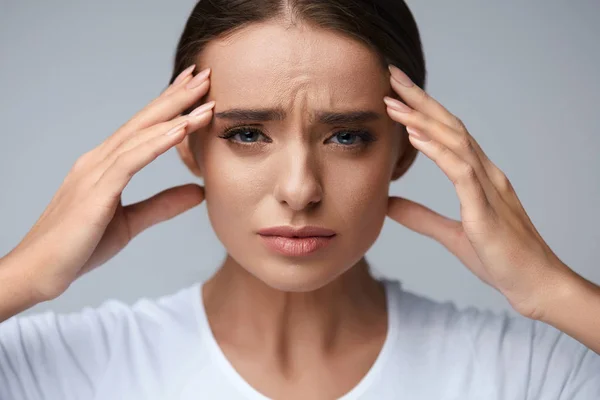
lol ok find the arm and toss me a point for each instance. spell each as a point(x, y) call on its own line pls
point(574, 308)
point(85, 224)
point(17, 293)
point(495, 237)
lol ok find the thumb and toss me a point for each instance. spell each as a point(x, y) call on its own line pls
point(162, 206)
point(423, 220)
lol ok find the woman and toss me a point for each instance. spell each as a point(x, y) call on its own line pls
point(289, 113)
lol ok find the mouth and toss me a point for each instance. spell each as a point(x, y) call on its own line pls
point(296, 242)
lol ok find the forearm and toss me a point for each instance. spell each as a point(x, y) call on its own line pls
point(574, 308)
point(16, 291)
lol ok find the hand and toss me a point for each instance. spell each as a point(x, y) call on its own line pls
point(85, 223)
point(495, 238)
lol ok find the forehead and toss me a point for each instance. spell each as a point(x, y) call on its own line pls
point(275, 64)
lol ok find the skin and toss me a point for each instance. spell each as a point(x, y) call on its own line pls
point(299, 321)
point(308, 328)
point(310, 325)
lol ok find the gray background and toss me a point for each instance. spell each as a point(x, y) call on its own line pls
point(523, 77)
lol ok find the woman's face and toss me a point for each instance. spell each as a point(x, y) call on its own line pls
point(304, 159)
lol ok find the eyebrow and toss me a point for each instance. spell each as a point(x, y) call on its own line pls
point(277, 114)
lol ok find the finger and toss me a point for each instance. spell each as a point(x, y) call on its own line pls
point(438, 132)
point(456, 138)
point(494, 181)
point(420, 100)
point(113, 179)
point(164, 108)
point(173, 104)
point(499, 180)
point(458, 142)
point(162, 207)
point(446, 139)
point(183, 76)
point(446, 231)
point(172, 88)
point(197, 119)
point(421, 219)
point(475, 204)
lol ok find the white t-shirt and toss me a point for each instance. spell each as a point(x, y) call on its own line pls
point(163, 349)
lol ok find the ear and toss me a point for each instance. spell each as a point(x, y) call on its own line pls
point(406, 156)
point(187, 156)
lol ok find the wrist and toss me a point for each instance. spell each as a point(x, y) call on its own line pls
point(544, 292)
point(15, 273)
point(574, 308)
point(560, 294)
point(17, 293)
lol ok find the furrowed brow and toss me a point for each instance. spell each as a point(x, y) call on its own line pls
point(275, 114)
point(350, 117)
point(256, 115)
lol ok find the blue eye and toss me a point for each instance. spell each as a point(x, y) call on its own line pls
point(248, 135)
point(245, 135)
point(346, 138)
point(349, 138)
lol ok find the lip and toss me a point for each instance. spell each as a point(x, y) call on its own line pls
point(296, 232)
point(296, 242)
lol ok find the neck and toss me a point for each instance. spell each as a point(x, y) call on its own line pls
point(244, 311)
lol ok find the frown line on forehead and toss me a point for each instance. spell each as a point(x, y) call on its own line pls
point(277, 114)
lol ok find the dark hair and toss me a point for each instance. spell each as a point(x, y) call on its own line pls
point(387, 26)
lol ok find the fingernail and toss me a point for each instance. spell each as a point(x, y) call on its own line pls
point(396, 104)
point(400, 76)
point(417, 134)
point(178, 128)
point(198, 79)
point(184, 74)
point(203, 108)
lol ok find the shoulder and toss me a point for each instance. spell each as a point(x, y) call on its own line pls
point(97, 348)
point(485, 329)
point(502, 348)
point(99, 333)
point(177, 308)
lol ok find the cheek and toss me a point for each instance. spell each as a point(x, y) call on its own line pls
point(360, 194)
point(233, 187)
point(238, 192)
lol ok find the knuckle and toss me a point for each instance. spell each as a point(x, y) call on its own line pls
point(464, 143)
point(82, 161)
point(458, 123)
point(148, 151)
point(423, 96)
point(121, 163)
point(78, 165)
point(154, 152)
point(501, 181)
point(128, 125)
point(444, 154)
point(167, 125)
point(466, 173)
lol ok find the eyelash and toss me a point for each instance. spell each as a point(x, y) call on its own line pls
point(365, 137)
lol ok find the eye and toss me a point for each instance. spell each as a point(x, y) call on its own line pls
point(245, 135)
point(352, 138)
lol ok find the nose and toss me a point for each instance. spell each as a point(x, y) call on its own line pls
point(298, 183)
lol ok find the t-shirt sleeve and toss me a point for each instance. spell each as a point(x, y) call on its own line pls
point(54, 356)
point(558, 360)
point(545, 362)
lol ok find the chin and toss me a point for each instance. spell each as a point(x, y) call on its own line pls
point(298, 271)
point(296, 276)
